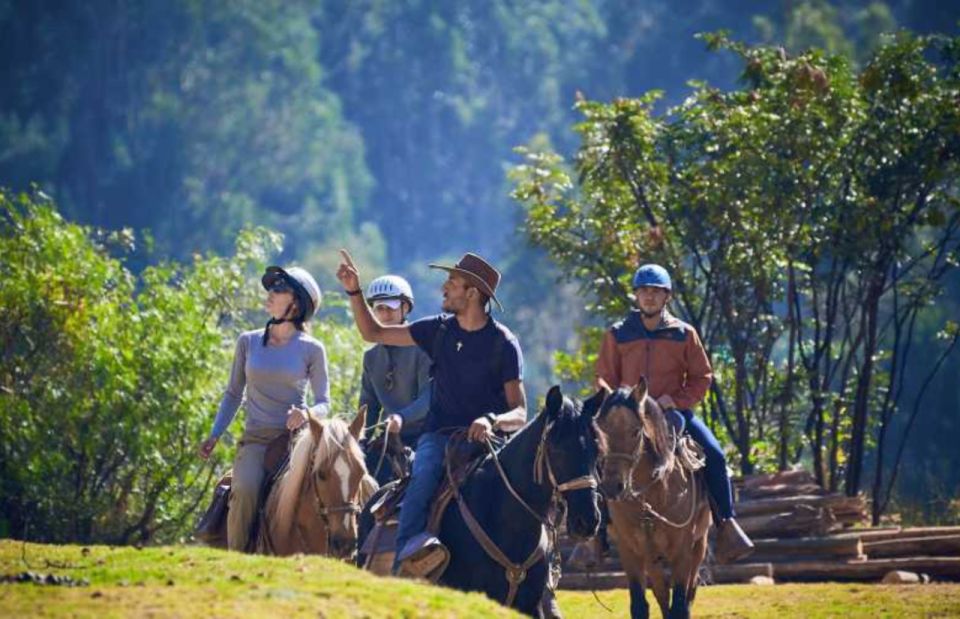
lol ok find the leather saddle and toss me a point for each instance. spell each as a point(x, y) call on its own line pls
point(461, 460)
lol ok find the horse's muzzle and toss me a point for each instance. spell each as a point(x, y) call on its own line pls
point(342, 547)
point(612, 488)
point(583, 519)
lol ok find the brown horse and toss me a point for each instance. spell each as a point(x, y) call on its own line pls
point(659, 510)
point(313, 506)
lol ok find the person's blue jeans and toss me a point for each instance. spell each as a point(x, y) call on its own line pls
point(718, 482)
point(426, 476)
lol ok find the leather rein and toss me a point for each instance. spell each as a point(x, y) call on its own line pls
point(629, 495)
point(320, 509)
point(516, 573)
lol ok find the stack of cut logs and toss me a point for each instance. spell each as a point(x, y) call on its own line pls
point(803, 533)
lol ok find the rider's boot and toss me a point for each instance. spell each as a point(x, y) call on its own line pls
point(732, 543)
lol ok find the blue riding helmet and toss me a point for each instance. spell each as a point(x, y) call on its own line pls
point(652, 275)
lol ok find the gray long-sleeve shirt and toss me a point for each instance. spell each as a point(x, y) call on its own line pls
point(274, 378)
point(407, 394)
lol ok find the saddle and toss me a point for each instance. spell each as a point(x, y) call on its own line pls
point(688, 453)
point(212, 527)
point(461, 460)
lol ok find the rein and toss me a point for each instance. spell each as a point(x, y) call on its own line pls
point(325, 511)
point(629, 495)
point(516, 573)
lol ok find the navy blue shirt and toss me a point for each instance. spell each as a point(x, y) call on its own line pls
point(467, 381)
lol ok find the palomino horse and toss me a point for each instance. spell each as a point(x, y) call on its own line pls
point(658, 505)
point(313, 507)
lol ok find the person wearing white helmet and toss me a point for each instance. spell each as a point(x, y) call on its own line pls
point(273, 366)
point(396, 379)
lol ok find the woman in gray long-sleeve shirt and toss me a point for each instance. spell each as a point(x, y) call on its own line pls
point(272, 367)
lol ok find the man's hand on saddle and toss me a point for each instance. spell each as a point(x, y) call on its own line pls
point(480, 429)
point(347, 273)
point(296, 417)
point(666, 402)
point(394, 423)
point(206, 447)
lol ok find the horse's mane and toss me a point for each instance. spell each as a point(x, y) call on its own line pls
point(335, 435)
point(655, 428)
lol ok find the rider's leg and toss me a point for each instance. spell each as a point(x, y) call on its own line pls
point(718, 482)
point(732, 542)
point(427, 472)
point(248, 476)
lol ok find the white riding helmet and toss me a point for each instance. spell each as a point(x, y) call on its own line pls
point(302, 283)
point(390, 287)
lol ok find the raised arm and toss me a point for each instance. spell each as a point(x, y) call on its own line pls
point(370, 328)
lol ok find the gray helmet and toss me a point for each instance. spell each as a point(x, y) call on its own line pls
point(390, 287)
point(305, 288)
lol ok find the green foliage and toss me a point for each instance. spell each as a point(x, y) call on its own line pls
point(808, 218)
point(109, 381)
point(182, 118)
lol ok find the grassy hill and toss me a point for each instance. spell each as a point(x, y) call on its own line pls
point(188, 581)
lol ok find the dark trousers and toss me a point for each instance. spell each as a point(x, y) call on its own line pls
point(718, 482)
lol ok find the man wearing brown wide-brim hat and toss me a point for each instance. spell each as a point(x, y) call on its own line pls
point(477, 384)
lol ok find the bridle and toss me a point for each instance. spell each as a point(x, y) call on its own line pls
point(325, 511)
point(629, 495)
point(516, 573)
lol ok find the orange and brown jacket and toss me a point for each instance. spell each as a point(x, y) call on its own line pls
point(670, 357)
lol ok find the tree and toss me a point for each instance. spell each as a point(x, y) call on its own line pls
point(108, 381)
point(809, 217)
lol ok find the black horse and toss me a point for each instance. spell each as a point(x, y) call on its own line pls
point(555, 454)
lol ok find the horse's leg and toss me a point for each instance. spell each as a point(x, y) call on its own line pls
point(679, 609)
point(697, 556)
point(639, 608)
point(661, 589)
point(636, 574)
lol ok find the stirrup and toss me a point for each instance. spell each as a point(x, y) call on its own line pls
point(424, 557)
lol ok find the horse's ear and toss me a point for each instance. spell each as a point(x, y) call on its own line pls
point(356, 426)
point(639, 392)
point(316, 428)
point(554, 400)
point(592, 406)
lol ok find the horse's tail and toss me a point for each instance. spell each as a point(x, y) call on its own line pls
point(289, 486)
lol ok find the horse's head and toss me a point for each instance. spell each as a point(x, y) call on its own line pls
point(633, 422)
point(340, 479)
point(572, 445)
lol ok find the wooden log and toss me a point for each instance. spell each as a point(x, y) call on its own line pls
point(774, 490)
point(937, 545)
point(738, 572)
point(799, 521)
point(795, 477)
point(869, 570)
point(716, 574)
point(882, 534)
point(778, 550)
point(837, 503)
point(597, 580)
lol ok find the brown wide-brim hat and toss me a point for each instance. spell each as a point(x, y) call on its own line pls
point(478, 271)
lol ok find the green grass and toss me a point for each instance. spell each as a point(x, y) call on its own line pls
point(188, 581)
point(788, 601)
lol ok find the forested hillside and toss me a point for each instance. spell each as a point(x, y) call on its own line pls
point(390, 128)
